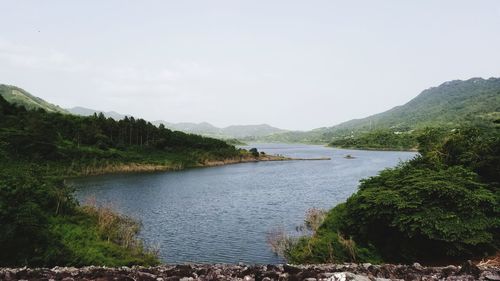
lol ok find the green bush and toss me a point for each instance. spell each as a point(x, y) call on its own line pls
point(41, 225)
point(254, 152)
point(416, 213)
point(441, 206)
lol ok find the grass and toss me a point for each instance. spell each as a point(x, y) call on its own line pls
point(88, 240)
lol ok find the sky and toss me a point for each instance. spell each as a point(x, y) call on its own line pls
point(292, 64)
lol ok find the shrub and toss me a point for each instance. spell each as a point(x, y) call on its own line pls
point(441, 206)
point(413, 213)
point(254, 152)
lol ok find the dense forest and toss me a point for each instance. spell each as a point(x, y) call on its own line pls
point(42, 224)
point(38, 135)
point(442, 206)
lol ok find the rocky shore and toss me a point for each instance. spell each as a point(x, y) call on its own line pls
point(331, 272)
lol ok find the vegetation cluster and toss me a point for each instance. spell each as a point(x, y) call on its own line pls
point(442, 206)
point(380, 139)
point(41, 222)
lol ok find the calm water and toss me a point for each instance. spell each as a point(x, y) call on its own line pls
point(222, 214)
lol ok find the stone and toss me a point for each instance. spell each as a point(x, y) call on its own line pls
point(417, 266)
point(146, 276)
point(347, 276)
point(291, 269)
point(469, 268)
point(222, 272)
point(492, 277)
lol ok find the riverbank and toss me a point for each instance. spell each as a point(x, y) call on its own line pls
point(333, 272)
point(111, 168)
point(414, 149)
point(261, 158)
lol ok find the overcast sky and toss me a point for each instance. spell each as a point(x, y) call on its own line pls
point(291, 64)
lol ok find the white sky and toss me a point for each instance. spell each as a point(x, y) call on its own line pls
point(291, 64)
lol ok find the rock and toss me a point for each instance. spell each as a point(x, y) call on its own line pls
point(492, 277)
point(417, 266)
point(347, 276)
point(146, 276)
point(469, 268)
point(333, 272)
point(291, 269)
point(448, 271)
point(182, 270)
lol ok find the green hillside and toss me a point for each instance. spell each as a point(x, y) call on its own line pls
point(42, 223)
point(447, 105)
point(19, 96)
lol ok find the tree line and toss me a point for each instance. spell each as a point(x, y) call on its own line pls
point(36, 133)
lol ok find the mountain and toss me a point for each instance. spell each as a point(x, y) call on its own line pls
point(78, 110)
point(448, 104)
point(234, 131)
point(203, 128)
point(241, 131)
point(19, 96)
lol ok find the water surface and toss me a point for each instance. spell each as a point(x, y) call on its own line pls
point(222, 214)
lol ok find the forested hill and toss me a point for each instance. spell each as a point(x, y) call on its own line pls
point(37, 134)
point(446, 105)
point(42, 224)
point(19, 96)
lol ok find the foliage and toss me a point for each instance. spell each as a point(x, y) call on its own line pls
point(43, 226)
point(26, 205)
point(254, 152)
point(42, 136)
point(87, 241)
point(41, 223)
point(417, 213)
point(380, 139)
point(314, 219)
point(280, 242)
point(443, 205)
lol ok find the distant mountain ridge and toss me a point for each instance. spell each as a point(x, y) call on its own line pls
point(203, 128)
point(83, 111)
point(448, 104)
point(18, 96)
point(234, 131)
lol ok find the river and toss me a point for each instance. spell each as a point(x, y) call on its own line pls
point(222, 214)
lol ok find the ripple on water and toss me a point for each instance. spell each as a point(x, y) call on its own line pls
point(221, 214)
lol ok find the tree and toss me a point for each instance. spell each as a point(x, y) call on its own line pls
point(254, 151)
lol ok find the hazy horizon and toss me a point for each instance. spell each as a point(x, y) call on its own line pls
point(289, 64)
